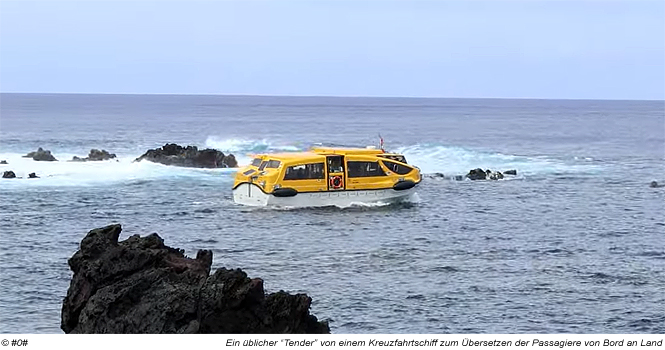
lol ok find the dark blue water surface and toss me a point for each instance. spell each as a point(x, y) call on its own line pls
point(575, 243)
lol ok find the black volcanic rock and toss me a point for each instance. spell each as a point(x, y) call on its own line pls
point(41, 155)
point(477, 174)
point(95, 155)
point(3, 162)
point(190, 156)
point(8, 174)
point(480, 174)
point(33, 176)
point(140, 285)
point(494, 175)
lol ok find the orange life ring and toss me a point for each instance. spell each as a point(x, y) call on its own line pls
point(336, 182)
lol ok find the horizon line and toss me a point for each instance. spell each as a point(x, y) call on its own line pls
point(331, 96)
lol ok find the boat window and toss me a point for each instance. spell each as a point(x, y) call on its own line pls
point(250, 171)
point(304, 172)
point(273, 164)
point(397, 168)
point(397, 157)
point(263, 165)
point(335, 165)
point(256, 162)
point(365, 169)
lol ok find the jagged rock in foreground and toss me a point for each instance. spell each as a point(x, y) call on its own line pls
point(41, 155)
point(190, 156)
point(8, 174)
point(95, 155)
point(140, 285)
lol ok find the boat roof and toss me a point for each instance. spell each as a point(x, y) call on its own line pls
point(318, 153)
point(289, 155)
point(347, 150)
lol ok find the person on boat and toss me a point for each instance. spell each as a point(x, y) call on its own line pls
point(335, 165)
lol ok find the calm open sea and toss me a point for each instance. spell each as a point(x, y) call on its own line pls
point(574, 244)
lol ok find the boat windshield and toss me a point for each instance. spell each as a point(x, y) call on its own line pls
point(273, 164)
point(398, 157)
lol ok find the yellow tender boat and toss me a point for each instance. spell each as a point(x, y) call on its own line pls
point(325, 177)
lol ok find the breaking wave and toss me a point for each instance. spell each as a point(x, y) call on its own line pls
point(430, 158)
point(452, 160)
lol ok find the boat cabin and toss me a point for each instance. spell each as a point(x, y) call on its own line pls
point(328, 169)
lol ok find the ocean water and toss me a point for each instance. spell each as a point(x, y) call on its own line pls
point(575, 243)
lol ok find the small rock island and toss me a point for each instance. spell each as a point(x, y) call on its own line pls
point(190, 156)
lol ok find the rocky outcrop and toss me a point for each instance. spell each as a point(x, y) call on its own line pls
point(190, 156)
point(95, 155)
point(480, 174)
point(32, 176)
point(474, 174)
point(41, 155)
point(8, 174)
point(3, 162)
point(140, 285)
point(477, 174)
point(496, 175)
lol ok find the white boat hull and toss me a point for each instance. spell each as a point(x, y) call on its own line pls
point(252, 195)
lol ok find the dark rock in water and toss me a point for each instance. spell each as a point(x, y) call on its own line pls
point(494, 175)
point(32, 176)
point(655, 184)
point(190, 156)
point(459, 177)
point(95, 155)
point(510, 172)
point(480, 174)
point(140, 285)
point(8, 175)
point(41, 155)
point(230, 161)
point(477, 174)
point(3, 162)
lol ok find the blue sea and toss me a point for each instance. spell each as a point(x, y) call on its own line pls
point(575, 243)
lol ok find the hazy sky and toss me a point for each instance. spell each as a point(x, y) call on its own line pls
point(529, 49)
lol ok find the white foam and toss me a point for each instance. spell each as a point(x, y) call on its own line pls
point(452, 160)
point(65, 173)
point(449, 160)
point(235, 144)
point(244, 149)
